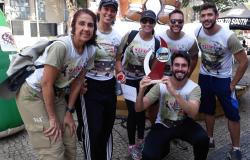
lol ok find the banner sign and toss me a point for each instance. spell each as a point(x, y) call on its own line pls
point(236, 23)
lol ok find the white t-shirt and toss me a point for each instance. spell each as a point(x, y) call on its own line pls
point(168, 107)
point(217, 52)
point(106, 52)
point(183, 44)
point(62, 55)
point(134, 56)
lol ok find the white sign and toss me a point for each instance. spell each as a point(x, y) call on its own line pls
point(129, 92)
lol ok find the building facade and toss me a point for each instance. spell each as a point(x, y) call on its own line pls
point(34, 18)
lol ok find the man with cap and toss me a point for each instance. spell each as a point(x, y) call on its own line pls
point(131, 70)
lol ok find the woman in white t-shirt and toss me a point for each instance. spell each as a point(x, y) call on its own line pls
point(41, 102)
point(100, 99)
point(130, 70)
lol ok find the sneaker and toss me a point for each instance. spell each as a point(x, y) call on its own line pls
point(180, 144)
point(234, 155)
point(211, 144)
point(134, 152)
point(140, 144)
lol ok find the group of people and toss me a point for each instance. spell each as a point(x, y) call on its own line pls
point(91, 59)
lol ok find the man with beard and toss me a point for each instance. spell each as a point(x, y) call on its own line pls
point(177, 40)
point(179, 101)
point(218, 46)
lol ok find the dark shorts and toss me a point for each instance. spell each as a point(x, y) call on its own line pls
point(220, 87)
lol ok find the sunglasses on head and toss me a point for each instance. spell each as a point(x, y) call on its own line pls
point(178, 21)
point(149, 20)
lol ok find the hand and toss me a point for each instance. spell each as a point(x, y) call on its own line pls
point(69, 122)
point(84, 88)
point(166, 80)
point(232, 86)
point(146, 81)
point(121, 77)
point(54, 131)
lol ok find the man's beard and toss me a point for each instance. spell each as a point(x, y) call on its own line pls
point(180, 78)
point(180, 28)
point(212, 25)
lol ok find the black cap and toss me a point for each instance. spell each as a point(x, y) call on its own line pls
point(113, 3)
point(148, 14)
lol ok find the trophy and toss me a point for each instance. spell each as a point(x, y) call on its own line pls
point(161, 63)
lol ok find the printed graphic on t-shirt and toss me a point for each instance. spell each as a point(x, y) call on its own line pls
point(71, 70)
point(177, 47)
point(135, 55)
point(212, 55)
point(105, 59)
point(171, 110)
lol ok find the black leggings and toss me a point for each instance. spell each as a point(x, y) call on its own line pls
point(135, 120)
point(157, 142)
point(100, 103)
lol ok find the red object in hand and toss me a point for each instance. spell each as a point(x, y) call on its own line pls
point(120, 77)
point(157, 70)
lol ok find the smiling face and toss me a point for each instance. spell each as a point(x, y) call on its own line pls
point(107, 14)
point(180, 68)
point(176, 22)
point(208, 18)
point(147, 25)
point(84, 28)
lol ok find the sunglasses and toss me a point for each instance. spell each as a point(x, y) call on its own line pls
point(145, 20)
point(178, 21)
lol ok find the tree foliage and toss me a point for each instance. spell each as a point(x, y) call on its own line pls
point(222, 5)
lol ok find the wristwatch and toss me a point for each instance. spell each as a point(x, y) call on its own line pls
point(70, 109)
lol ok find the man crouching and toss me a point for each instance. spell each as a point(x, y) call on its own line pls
point(179, 101)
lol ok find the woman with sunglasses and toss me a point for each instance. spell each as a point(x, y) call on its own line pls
point(100, 99)
point(177, 40)
point(129, 70)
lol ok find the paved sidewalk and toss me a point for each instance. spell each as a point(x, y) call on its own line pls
point(17, 147)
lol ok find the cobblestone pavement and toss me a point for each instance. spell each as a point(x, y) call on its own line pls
point(17, 147)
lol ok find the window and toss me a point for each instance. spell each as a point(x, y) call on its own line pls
point(41, 9)
point(20, 9)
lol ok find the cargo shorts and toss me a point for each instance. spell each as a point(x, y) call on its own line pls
point(34, 115)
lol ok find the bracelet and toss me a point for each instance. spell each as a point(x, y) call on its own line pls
point(70, 109)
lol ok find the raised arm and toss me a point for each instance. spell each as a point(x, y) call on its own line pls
point(191, 106)
point(142, 102)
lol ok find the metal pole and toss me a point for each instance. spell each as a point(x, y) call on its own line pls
point(37, 20)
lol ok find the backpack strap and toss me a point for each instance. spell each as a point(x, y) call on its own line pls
point(198, 33)
point(131, 37)
point(197, 36)
point(157, 44)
